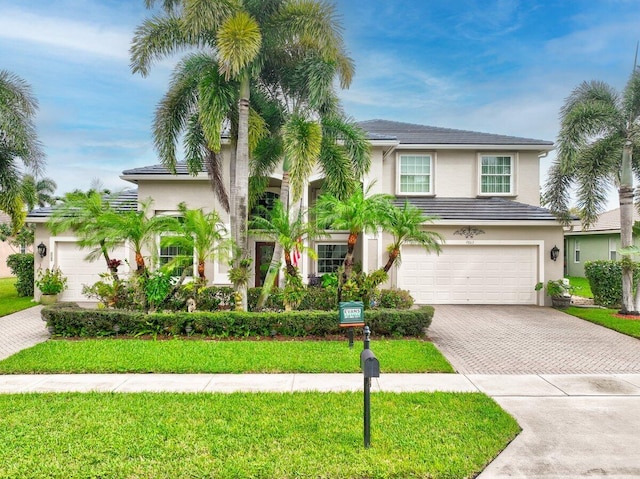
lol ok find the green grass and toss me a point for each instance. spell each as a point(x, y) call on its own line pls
point(10, 302)
point(606, 318)
point(198, 356)
point(580, 286)
point(249, 435)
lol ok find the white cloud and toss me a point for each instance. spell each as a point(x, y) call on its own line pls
point(65, 34)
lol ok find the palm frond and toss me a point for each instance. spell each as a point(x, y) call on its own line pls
point(238, 43)
point(302, 140)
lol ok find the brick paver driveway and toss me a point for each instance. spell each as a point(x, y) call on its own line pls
point(529, 340)
point(21, 330)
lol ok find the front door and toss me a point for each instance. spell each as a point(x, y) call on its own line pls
point(264, 252)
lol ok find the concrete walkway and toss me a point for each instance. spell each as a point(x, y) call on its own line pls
point(574, 425)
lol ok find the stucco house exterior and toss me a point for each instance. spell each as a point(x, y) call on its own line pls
point(598, 242)
point(483, 189)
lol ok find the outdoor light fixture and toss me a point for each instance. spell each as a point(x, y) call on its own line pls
point(42, 250)
point(554, 253)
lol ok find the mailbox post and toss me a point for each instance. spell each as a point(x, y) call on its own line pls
point(370, 369)
point(351, 316)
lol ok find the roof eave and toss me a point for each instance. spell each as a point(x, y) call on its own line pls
point(474, 146)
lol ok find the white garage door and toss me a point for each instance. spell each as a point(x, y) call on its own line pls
point(70, 259)
point(478, 274)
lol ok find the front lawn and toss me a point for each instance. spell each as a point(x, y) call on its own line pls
point(256, 435)
point(580, 286)
point(10, 302)
point(606, 318)
point(198, 356)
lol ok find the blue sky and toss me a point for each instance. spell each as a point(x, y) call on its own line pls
point(498, 66)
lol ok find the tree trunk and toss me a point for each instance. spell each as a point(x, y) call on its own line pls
point(105, 253)
point(276, 258)
point(201, 271)
point(626, 229)
point(241, 200)
point(141, 267)
point(393, 255)
point(347, 269)
point(291, 270)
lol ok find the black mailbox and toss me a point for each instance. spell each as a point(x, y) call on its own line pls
point(369, 364)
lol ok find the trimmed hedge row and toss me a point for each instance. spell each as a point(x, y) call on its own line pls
point(605, 280)
point(69, 320)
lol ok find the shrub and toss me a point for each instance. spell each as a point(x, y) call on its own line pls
point(21, 265)
point(394, 299)
point(605, 280)
point(72, 321)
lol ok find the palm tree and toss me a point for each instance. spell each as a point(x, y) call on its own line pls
point(38, 192)
point(243, 37)
point(136, 227)
point(596, 145)
point(290, 232)
point(405, 225)
point(199, 232)
point(355, 214)
point(18, 142)
point(81, 212)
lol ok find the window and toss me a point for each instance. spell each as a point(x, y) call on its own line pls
point(576, 252)
point(183, 257)
point(496, 174)
point(415, 174)
point(613, 249)
point(330, 257)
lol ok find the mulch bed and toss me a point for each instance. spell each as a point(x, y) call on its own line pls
point(630, 317)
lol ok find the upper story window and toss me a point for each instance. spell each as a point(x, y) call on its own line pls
point(496, 174)
point(613, 249)
point(415, 174)
point(576, 252)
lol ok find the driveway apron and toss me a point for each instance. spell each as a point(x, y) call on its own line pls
point(529, 340)
point(21, 330)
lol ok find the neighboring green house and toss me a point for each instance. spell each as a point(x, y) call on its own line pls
point(600, 242)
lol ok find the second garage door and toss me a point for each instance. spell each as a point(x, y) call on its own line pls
point(464, 274)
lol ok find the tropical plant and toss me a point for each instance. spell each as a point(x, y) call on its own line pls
point(38, 192)
point(138, 227)
point(197, 231)
point(81, 212)
point(405, 225)
point(18, 143)
point(291, 233)
point(597, 147)
point(355, 214)
point(51, 281)
point(245, 38)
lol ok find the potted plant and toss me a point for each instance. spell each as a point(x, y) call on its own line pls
point(51, 282)
point(560, 291)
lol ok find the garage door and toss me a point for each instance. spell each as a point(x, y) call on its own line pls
point(478, 274)
point(70, 259)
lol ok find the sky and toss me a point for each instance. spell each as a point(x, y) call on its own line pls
point(495, 66)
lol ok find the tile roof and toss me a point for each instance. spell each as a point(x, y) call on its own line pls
point(478, 209)
point(607, 221)
point(126, 200)
point(181, 169)
point(409, 133)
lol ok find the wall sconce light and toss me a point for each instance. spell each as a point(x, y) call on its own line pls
point(42, 250)
point(554, 253)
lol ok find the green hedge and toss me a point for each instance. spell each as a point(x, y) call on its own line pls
point(69, 320)
point(21, 265)
point(605, 280)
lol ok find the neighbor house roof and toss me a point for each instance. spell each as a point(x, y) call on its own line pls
point(409, 133)
point(477, 209)
point(608, 222)
point(126, 200)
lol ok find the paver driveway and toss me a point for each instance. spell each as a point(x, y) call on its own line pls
point(529, 340)
point(21, 330)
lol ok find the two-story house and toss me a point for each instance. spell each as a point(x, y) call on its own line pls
point(482, 190)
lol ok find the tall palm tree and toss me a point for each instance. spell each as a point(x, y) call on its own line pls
point(18, 142)
point(405, 225)
point(136, 227)
point(242, 36)
point(597, 148)
point(358, 213)
point(81, 212)
point(199, 232)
